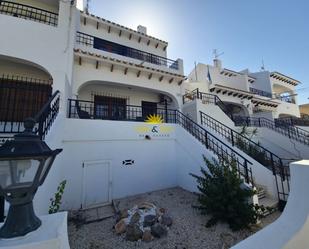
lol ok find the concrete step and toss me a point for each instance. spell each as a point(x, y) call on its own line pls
point(268, 203)
point(261, 192)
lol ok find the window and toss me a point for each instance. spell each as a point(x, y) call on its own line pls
point(109, 108)
point(22, 99)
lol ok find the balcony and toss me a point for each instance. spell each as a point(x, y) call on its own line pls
point(111, 47)
point(287, 99)
point(28, 12)
point(118, 111)
point(260, 92)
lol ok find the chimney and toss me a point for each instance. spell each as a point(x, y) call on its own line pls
point(218, 63)
point(142, 29)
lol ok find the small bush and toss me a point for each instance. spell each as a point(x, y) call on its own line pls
point(223, 197)
point(56, 201)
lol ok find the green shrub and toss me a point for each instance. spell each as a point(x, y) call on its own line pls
point(223, 196)
point(56, 201)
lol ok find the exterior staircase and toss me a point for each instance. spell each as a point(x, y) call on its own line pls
point(222, 150)
point(207, 98)
point(270, 204)
point(278, 166)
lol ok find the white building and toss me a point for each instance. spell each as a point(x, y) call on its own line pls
point(97, 82)
point(262, 94)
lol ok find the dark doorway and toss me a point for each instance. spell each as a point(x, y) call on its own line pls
point(109, 108)
point(148, 108)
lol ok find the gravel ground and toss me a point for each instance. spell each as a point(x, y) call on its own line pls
point(187, 232)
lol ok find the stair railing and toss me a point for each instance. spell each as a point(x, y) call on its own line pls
point(295, 133)
point(48, 113)
point(278, 166)
point(208, 98)
point(218, 147)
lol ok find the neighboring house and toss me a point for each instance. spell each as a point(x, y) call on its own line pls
point(262, 94)
point(304, 110)
point(91, 84)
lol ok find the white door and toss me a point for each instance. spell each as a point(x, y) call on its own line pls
point(96, 183)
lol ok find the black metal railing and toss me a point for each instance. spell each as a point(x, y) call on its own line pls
point(116, 48)
point(207, 98)
point(291, 121)
point(88, 110)
point(218, 147)
point(278, 165)
point(21, 97)
point(260, 92)
point(44, 119)
point(294, 133)
point(47, 115)
point(28, 12)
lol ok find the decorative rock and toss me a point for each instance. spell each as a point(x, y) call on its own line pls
point(166, 220)
point(135, 218)
point(149, 220)
point(124, 213)
point(147, 236)
point(158, 230)
point(146, 205)
point(228, 240)
point(162, 210)
point(134, 233)
point(121, 226)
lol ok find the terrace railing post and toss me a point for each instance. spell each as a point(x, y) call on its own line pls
point(166, 112)
point(70, 103)
point(206, 140)
point(2, 202)
point(40, 127)
point(272, 164)
point(282, 170)
point(246, 171)
point(232, 137)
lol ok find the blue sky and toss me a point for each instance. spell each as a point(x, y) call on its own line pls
point(247, 31)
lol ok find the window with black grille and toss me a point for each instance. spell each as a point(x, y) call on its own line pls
point(22, 97)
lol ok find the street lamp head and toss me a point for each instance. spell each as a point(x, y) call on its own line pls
point(24, 164)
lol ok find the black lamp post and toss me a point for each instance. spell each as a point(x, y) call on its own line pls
point(24, 164)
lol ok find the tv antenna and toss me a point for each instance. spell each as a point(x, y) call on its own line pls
point(263, 65)
point(216, 53)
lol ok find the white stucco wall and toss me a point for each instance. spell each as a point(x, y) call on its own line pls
point(154, 166)
point(133, 96)
point(281, 144)
point(262, 81)
point(87, 72)
point(159, 163)
point(46, 46)
point(16, 68)
point(290, 230)
point(287, 109)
